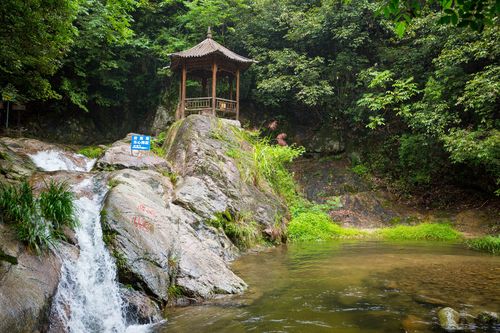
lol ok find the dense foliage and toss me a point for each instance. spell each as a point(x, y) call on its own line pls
point(37, 220)
point(417, 82)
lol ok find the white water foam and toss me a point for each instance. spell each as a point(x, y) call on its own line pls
point(55, 160)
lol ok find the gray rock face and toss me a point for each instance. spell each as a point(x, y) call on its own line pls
point(326, 141)
point(26, 289)
point(155, 243)
point(211, 181)
point(13, 166)
point(139, 308)
point(449, 319)
point(119, 156)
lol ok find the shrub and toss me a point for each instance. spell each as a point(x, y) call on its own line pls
point(242, 232)
point(157, 144)
point(91, 151)
point(424, 231)
point(38, 221)
point(314, 225)
point(487, 243)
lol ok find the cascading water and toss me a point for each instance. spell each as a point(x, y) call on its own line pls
point(88, 298)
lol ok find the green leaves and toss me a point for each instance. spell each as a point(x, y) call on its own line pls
point(38, 221)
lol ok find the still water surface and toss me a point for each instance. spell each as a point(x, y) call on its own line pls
point(349, 287)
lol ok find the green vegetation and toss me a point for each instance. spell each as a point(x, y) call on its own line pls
point(487, 243)
point(38, 221)
point(91, 151)
point(424, 231)
point(242, 231)
point(317, 225)
point(157, 144)
point(417, 86)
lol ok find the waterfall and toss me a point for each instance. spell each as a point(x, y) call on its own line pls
point(88, 298)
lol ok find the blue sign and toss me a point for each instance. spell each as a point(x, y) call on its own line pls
point(140, 142)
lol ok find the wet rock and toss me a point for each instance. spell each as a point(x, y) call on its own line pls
point(449, 319)
point(487, 318)
point(423, 299)
point(211, 181)
point(155, 245)
point(119, 156)
point(49, 157)
point(26, 289)
point(139, 308)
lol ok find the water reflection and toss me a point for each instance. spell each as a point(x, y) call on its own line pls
point(349, 287)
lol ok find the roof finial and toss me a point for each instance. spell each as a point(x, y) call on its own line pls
point(209, 33)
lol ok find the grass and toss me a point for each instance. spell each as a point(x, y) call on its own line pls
point(424, 231)
point(487, 243)
point(316, 225)
point(157, 144)
point(243, 232)
point(91, 151)
point(38, 221)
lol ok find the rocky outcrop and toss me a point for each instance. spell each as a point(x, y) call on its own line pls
point(156, 244)
point(210, 180)
point(26, 289)
point(119, 156)
point(13, 166)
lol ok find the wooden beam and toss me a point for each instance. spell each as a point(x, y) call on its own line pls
point(183, 98)
point(238, 94)
point(214, 86)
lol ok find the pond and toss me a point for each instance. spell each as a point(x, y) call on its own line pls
point(349, 287)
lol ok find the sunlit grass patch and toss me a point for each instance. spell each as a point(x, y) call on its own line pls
point(487, 243)
point(424, 231)
point(91, 151)
point(316, 226)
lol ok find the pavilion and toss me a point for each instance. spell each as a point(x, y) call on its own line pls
point(206, 60)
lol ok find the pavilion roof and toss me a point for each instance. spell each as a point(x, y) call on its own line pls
point(206, 49)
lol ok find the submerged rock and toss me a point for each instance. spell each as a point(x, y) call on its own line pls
point(487, 318)
point(449, 319)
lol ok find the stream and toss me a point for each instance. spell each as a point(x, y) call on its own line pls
point(350, 287)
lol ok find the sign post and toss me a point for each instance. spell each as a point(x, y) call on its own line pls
point(140, 142)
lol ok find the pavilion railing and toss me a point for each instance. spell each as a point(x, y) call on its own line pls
point(223, 107)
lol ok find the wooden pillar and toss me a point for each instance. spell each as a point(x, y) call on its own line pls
point(238, 94)
point(183, 90)
point(214, 86)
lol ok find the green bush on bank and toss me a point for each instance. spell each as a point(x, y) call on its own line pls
point(38, 221)
point(424, 231)
point(91, 151)
point(487, 243)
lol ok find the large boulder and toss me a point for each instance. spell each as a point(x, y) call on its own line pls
point(211, 181)
point(156, 244)
point(26, 289)
point(119, 156)
point(13, 166)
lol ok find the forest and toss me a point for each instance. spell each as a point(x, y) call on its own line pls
point(414, 86)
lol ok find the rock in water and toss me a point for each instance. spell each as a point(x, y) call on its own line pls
point(448, 319)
